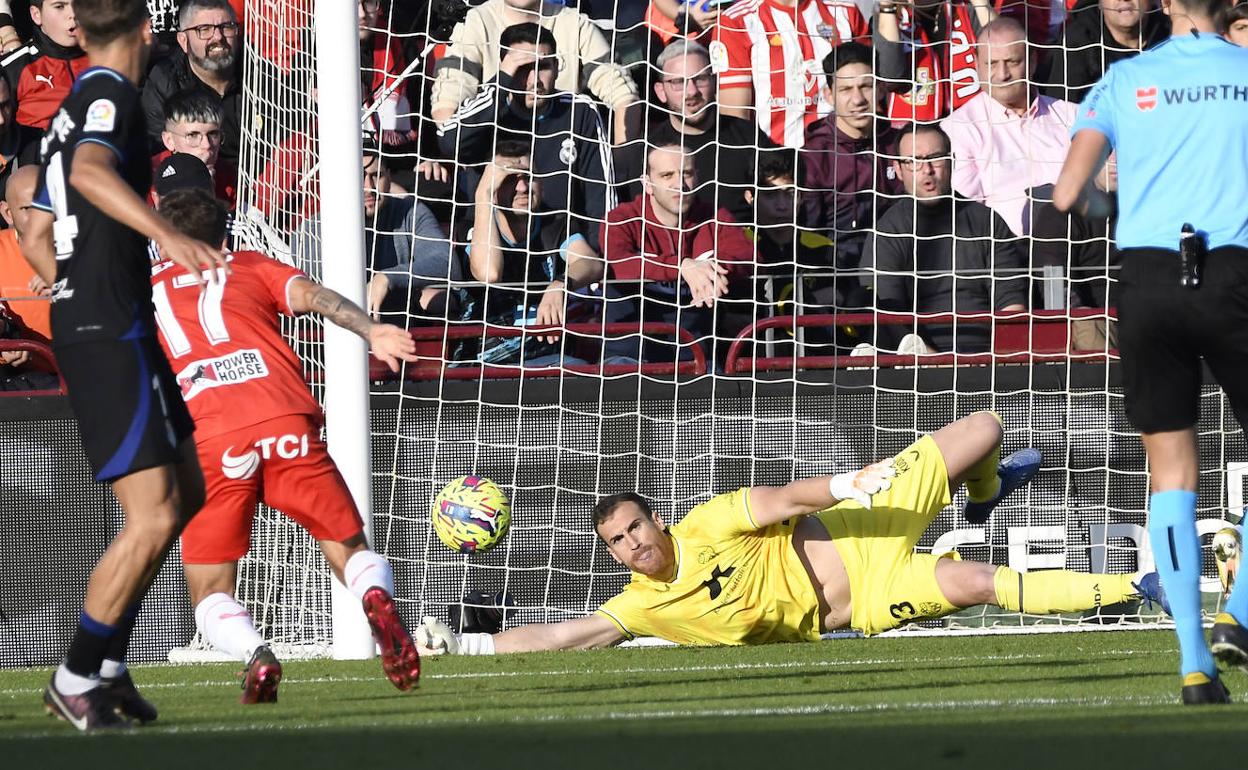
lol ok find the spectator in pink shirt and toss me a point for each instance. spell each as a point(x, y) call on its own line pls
point(1008, 139)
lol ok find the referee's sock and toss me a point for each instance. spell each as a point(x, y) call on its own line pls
point(1176, 550)
point(81, 670)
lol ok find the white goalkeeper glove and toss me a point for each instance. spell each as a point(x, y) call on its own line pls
point(859, 486)
point(433, 637)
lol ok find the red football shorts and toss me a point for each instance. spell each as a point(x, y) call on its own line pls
point(282, 463)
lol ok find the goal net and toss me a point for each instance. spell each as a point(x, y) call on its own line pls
point(700, 417)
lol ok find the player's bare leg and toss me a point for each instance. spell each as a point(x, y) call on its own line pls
point(228, 626)
point(157, 504)
point(971, 448)
point(969, 583)
point(368, 576)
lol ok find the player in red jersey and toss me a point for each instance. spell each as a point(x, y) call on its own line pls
point(258, 437)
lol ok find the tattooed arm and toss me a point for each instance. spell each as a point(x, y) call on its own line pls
point(389, 343)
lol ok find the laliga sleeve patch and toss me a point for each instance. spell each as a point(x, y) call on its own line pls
point(101, 116)
point(719, 57)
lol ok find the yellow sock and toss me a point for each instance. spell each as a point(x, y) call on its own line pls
point(1056, 591)
point(982, 481)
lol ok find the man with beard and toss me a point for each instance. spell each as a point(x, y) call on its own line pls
point(211, 42)
point(569, 141)
point(724, 148)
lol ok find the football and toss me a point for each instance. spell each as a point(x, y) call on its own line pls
point(471, 514)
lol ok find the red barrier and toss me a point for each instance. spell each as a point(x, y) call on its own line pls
point(1018, 338)
point(432, 363)
point(39, 352)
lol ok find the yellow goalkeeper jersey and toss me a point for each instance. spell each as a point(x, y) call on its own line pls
point(734, 584)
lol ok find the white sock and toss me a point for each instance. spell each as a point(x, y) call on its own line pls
point(111, 669)
point(69, 683)
point(227, 626)
point(368, 569)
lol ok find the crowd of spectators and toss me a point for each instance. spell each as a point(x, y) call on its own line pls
point(699, 165)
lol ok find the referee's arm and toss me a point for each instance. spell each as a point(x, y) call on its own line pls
point(1074, 190)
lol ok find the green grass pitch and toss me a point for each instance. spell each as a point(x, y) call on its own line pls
point(1069, 700)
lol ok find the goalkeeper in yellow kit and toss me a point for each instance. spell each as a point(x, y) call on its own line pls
point(785, 564)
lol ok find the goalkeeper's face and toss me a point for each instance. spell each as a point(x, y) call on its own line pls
point(638, 540)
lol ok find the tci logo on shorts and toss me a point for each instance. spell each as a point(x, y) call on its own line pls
point(245, 465)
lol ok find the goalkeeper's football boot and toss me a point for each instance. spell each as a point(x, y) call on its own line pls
point(1229, 641)
point(88, 711)
point(1152, 592)
point(1227, 550)
point(1014, 471)
point(263, 675)
point(399, 658)
point(1200, 690)
point(126, 698)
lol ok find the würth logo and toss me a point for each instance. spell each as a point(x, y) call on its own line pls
point(1146, 98)
point(713, 585)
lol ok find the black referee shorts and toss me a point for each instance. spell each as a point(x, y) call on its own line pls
point(1164, 330)
point(130, 411)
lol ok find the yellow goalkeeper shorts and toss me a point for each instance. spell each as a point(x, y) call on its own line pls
point(889, 583)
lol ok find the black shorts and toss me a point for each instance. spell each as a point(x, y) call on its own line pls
point(1164, 330)
point(130, 411)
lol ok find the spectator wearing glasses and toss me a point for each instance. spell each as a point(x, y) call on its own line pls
point(210, 61)
point(41, 73)
point(193, 126)
point(935, 253)
point(723, 147)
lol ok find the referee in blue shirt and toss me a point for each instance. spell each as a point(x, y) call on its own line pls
point(1177, 115)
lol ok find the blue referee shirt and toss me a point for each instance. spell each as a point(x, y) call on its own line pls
point(1178, 117)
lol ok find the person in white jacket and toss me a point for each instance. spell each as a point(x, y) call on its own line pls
point(585, 61)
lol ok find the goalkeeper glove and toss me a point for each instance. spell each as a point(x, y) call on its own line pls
point(433, 637)
point(859, 486)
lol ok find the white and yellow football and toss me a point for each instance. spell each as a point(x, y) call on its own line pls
point(471, 514)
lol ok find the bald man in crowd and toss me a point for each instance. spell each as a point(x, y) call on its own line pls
point(1009, 139)
point(17, 278)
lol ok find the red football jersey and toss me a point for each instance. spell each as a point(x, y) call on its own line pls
point(225, 343)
